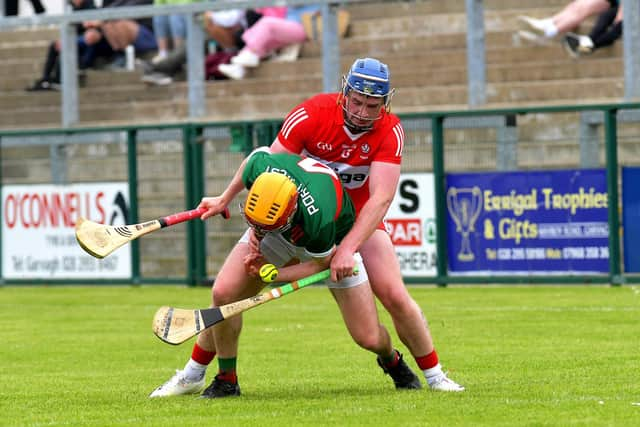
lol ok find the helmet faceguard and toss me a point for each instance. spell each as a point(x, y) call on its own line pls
point(370, 78)
point(271, 203)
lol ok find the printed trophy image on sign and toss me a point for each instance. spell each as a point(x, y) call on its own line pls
point(464, 205)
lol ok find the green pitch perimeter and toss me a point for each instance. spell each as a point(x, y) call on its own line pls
point(529, 356)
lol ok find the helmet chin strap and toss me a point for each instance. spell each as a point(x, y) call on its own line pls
point(352, 126)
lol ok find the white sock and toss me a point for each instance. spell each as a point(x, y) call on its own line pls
point(432, 373)
point(550, 29)
point(194, 371)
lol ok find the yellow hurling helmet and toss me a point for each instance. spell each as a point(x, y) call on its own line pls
point(271, 202)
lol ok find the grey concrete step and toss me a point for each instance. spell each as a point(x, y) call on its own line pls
point(550, 62)
point(427, 7)
point(38, 33)
point(412, 24)
point(275, 105)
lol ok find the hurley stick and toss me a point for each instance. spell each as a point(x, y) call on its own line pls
point(100, 240)
point(176, 325)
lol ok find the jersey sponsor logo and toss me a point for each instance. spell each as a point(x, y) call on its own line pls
point(352, 177)
point(347, 150)
point(307, 200)
point(293, 120)
point(324, 146)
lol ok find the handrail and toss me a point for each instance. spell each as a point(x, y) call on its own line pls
point(476, 78)
point(422, 115)
point(195, 38)
point(134, 12)
point(193, 158)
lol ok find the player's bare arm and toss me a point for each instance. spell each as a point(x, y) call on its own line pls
point(383, 180)
point(304, 269)
point(215, 205)
point(277, 147)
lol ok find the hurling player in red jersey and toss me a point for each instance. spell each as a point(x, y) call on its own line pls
point(354, 133)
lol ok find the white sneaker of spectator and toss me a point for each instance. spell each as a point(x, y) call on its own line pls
point(585, 44)
point(158, 79)
point(538, 30)
point(159, 57)
point(233, 71)
point(577, 45)
point(288, 53)
point(246, 58)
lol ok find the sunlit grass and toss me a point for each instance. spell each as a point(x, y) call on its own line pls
point(539, 356)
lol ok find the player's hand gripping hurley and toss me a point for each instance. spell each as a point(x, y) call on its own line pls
point(100, 240)
point(177, 325)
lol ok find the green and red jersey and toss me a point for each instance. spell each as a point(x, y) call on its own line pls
point(325, 211)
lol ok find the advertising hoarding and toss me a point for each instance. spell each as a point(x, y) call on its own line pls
point(38, 224)
point(528, 222)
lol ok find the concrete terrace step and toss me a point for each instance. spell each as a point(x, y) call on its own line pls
point(408, 99)
point(443, 23)
point(33, 50)
point(400, 59)
point(427, 7)
point(274, 105)
point(420, 44)
point(39, 33)
point(134, 90)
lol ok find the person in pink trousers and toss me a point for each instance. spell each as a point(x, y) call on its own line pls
point(265, 37)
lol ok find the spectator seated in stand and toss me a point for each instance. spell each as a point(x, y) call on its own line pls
point(50, 79)
point(267, 36)
point(566, 20)
point(605, 32)
point(170, 30)
point(223, 30)
point(110, 38)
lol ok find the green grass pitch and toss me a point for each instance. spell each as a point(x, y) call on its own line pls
point(528, 355)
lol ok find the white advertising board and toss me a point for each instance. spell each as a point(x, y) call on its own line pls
point(411, 224)
point(38, 224)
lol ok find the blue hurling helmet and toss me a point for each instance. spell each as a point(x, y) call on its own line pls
point(370, 77)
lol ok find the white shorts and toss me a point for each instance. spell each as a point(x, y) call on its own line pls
point(278, 251)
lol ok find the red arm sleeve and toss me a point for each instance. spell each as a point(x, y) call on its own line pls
point(392, 143)
point(297, 126)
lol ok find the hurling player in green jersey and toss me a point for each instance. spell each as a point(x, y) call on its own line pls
point(297, 212)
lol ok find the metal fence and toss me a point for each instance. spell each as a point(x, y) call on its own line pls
point(170, 167)
point(476, 61)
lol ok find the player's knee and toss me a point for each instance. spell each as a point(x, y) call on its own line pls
point(399, 303)
point(368, 340)
point(222, 294)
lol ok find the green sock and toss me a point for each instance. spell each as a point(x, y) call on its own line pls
point(391, 359)
point(227, 365)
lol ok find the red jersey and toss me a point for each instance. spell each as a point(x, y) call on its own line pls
point(316, 129)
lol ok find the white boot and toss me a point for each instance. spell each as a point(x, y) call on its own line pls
point(178, 385)
point(246, 58)
point(233, 71)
